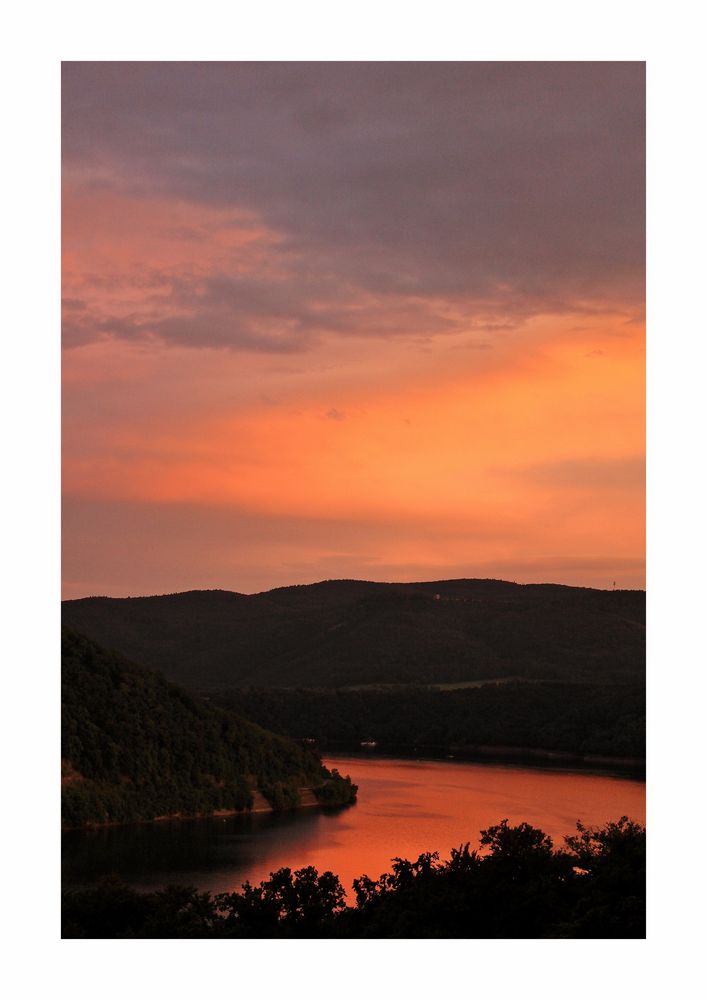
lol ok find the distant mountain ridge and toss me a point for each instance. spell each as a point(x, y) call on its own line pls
point(350, 632)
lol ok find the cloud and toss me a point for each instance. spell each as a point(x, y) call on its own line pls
point(593, 474)
point(400, 199)
point(436, 252)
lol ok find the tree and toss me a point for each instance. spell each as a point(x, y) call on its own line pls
point(611, 863)
point(293, 904)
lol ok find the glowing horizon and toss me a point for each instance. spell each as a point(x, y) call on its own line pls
point(316, 326)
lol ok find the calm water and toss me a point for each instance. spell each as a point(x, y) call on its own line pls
point(404, 808)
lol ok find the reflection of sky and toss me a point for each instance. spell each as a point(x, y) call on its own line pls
point(436, 806)
point(323, 321)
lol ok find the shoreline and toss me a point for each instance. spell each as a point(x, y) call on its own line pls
point(632, 768)
point(529, 757)
point(260, 806)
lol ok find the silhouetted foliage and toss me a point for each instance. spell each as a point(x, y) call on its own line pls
point(339, 790)
point(135, 746)
point(283, 905)
point(517, 886)
point(615, 857)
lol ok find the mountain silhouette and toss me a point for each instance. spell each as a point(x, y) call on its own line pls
point(341, 633)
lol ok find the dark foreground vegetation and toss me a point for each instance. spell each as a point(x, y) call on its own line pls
point(350, 632)
point(583, 719)
point(136, 747)
point(518, 886)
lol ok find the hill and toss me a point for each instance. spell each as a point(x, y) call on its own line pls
point(135, 747)
point(346, 633)
point(584, 720)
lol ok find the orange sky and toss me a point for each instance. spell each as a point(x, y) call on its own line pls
point(245, 408)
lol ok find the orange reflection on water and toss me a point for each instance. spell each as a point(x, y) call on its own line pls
point(404, 808)
point(407, 807)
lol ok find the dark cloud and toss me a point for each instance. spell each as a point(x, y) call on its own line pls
point(283, 312)
point(504, 189)
point(590, 473)
point(600, 571)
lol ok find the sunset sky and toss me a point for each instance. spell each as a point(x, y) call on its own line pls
point(377, 320)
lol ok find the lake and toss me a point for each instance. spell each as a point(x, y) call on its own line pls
point(404, 807)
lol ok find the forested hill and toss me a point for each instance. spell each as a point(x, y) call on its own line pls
point(135, 746)
point(347, 632)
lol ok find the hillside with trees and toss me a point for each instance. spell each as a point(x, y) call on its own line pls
point(348, 633)
point(579, 719)
point(136, 747)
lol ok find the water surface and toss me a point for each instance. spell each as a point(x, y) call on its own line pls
point(404, 807)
